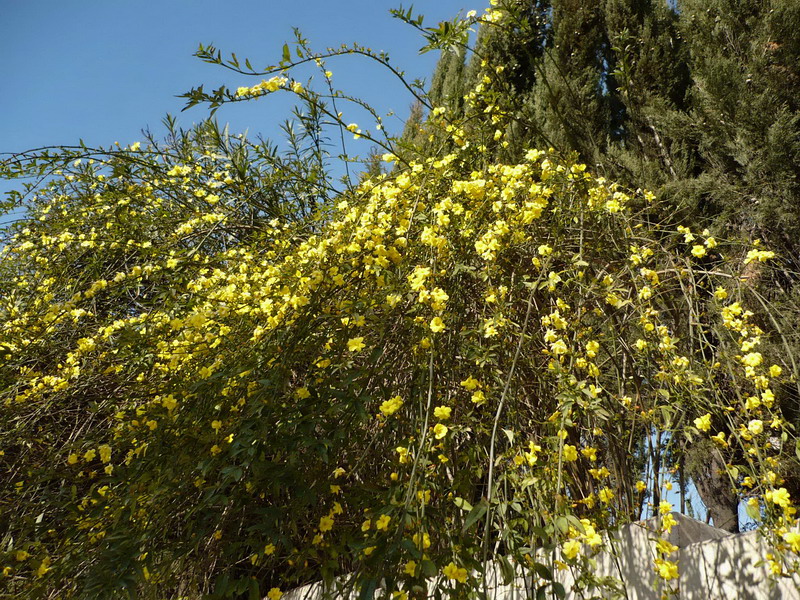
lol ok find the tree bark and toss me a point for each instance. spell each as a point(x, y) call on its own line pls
point(714, 486)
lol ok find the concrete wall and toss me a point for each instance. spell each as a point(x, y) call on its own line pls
point(713, 565)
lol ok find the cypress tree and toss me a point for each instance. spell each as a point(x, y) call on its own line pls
point(696, 100)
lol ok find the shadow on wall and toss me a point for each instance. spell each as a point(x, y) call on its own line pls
point(713, 565)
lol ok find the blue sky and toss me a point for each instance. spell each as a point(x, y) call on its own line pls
point(101, 70)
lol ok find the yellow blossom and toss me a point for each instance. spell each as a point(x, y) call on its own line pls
point(570, 453)
point(442, 412)
point(391, 406)
point(437, 325)
point(382, 523)
point(570, 549)
point(667, 570)
point(326, 523)
point(793, 539)
point(470, 383)
point(455, 573)
point(703, 423)
point(356, 344)
point(780, 497)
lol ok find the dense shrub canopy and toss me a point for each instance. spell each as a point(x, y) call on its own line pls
point(221, 377)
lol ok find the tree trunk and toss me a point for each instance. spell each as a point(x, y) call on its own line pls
point(714, 486)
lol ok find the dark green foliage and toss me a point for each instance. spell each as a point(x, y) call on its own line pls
point(696, 100)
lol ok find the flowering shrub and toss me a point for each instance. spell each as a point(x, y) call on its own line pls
point(205, 391)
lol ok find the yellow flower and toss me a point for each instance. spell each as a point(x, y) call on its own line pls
point(391, 406)
point(793, 539)
point(752, 402)
point(698, 250)
point(666, 569)
point(664, 507)
point(439, 431)
point(641, 486)
point(470, 383)
point(605, 495)
point(779, 497)
point(720, 439)
point(410, 568)
point(775, 371)
point(274, 594)
point(422, 541)
point(437, 325)
point(402, 455)
point(756, 426)
point(570, 453)
point(105, 453)
point(720, 293)
point(382, 524)
point(455, 573)
point(356, 344)
point(72, 459)
point(326, 523)
point(442, 412)
point(44, 567)
point(703, 423)
point(215, 449)
point(169, 402)
point(269, 549)
point(753, 359)
point(478, 397)
point(216, 425)
point(302, 393)
point(570, 549)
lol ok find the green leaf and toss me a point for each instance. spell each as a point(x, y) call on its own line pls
point(475, 514)
point(506, 570)
point(367, 591)
point(543, 571)
point(559, 590)
point(562, 524)
point(752, 511)
point(509, 435)
point(428, 569)
point(254, 593)
point(287, 55)
point(462, 504)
